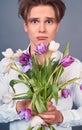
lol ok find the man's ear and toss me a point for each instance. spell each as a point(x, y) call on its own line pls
point(25, 27)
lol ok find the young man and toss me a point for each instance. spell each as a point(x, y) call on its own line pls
point(41, 22)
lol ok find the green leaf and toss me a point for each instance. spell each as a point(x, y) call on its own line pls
point(58, 74)
point(13, 82)
point(26, 95)
point(49, 91)
point(55, 90)
point(29, 128)
point(64, 84)
point(20, 77)
point(40, 104)
point(41, 128)
point(66, 51)
point(22, 97)
point(33, 102)
point(51, 127)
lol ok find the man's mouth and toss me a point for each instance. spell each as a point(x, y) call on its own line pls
point(42, 38)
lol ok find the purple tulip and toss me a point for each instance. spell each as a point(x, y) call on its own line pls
point(65, 93)
point(26, 68)
point(41, 48)
point(25, 114)
point(67, 60)
point(25, 59)
point(81, 87)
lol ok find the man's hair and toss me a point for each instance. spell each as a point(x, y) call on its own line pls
point(26, 5)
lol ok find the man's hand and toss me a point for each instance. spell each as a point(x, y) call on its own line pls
point(23, 104)
point(52, 116)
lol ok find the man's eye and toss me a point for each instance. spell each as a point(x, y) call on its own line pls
point(49, 21)
point(34, 21)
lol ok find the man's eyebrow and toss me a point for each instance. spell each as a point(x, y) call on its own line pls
point(51, 18)
point(33, 18)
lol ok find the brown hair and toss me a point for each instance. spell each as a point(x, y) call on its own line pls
point(26, 5)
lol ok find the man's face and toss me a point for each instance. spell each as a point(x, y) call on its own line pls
point(41, 25)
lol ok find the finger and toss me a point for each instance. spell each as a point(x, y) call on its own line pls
point(50, 122)
point(46, 124)
point(49, 103)
point(53, 112)
point(51, 108)
point(47, 115)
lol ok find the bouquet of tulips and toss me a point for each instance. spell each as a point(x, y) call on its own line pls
point(42, 80)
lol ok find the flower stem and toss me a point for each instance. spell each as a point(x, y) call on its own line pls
point(53, 73)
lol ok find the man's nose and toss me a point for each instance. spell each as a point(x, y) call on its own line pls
point(42, 27)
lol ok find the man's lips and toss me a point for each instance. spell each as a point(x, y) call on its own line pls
point(42, 38)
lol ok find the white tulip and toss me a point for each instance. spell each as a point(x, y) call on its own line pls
point(53, 46)
point(18, 53)
point(8, 97)
point(56, 56)
point(36, 122)
point(8, 53)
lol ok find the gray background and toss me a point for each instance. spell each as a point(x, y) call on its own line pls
point(12, 33)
